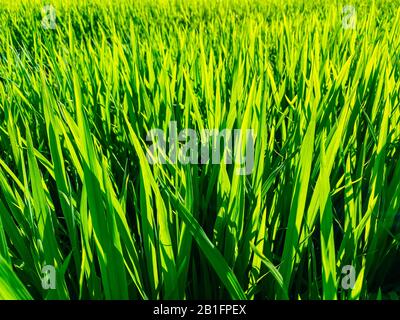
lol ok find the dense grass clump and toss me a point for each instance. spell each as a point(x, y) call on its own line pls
point(78, 193)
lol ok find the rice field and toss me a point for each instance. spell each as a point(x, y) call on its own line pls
point(85, 212)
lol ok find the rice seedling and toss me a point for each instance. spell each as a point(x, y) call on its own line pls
point(85, 214)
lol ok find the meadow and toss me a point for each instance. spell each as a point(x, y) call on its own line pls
point(318, 216)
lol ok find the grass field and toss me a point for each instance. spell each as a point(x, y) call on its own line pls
point(84, 214)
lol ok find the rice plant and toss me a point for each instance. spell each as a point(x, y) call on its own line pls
point(82, 83)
